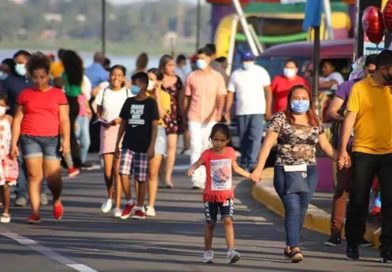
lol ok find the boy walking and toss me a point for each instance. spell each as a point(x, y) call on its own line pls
point(139, 119)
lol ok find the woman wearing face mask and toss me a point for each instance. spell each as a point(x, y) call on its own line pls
point(281, 85)
point(109, 103)
point(297, 131)
point(162, 98)
point(173, 85)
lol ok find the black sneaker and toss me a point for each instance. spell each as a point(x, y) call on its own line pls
point(352, 253)
point(386, 257)
point(365, 243)
point(333, 241)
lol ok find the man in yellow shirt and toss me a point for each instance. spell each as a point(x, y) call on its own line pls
point(370, 115)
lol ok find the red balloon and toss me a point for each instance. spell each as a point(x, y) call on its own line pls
point(387, 13)
point(373, 24)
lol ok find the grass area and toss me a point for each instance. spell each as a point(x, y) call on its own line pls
point(117, 48)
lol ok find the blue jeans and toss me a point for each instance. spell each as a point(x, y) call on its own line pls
point(250, 129)
point(295, 204)
point(83, 136)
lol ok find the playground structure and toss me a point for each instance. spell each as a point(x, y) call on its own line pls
point(275, 22)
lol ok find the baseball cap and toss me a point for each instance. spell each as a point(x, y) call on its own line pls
point(247, 56)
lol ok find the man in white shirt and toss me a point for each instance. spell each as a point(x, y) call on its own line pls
point(251, 85)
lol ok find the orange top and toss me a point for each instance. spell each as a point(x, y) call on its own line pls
point(204, 87)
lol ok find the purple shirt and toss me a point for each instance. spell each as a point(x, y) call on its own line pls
point(343, 92)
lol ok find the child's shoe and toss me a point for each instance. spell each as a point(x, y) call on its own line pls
point(233, 256)
point(150, 211)
point(139, 214)
point(128, 210)
point(208, 256)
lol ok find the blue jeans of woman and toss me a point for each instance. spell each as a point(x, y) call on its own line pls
point(83, 136)
point(295, 204)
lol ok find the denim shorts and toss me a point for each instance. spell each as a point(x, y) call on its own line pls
point(40, 147)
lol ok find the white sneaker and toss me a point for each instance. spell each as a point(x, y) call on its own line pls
point(233, 256)
point(5, 218)
point(150, 211)
point(44, 199)
point(107, 205)
point(117, 212)
point(208, 256)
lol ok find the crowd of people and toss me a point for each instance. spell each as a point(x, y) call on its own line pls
point(48, 108)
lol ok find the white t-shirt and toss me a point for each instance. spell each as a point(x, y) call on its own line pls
point(334, 76)
point(112, 102)
point(248, 85)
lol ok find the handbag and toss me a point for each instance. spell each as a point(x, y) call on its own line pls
point(11, 169)
point(295, 177)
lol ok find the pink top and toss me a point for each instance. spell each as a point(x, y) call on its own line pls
point(204, 88)
point(82, 100)
point(219, 185)
point(41, 111)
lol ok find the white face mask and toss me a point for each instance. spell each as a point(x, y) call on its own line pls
point(289, 72)
point(20, 68)
point(2, 110)
point(151, 85)
point(247, 65)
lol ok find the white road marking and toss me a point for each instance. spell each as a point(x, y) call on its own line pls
point(181, 167)
point(47, 252)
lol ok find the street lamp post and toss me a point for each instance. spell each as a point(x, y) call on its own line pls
point(103, 27)
point(198, 19)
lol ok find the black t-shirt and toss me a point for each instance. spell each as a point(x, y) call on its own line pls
point(139, 116)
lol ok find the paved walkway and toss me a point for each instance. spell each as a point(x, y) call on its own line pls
point(86, 240)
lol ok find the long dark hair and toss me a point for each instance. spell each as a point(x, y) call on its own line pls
point(224, 129)
point(163, 62)
point(73, 67)
point(158, 73)
point(312, 116)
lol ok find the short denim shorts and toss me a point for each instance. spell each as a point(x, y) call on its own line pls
point(40, 147)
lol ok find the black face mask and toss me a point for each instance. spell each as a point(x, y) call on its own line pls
point(388, 79)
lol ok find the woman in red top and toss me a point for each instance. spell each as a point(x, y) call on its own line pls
point(40, 112)
point(219, 161)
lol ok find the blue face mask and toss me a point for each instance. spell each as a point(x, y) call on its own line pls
point(3, 75)
point(300, 106)
point(201, 64)
point(135, 90)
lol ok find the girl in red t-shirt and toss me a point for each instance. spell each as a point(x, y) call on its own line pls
point(219, 161)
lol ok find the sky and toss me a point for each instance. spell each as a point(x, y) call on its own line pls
point(132, 1)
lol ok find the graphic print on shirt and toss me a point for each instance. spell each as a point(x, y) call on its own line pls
point(136, 113)
point(221, 178)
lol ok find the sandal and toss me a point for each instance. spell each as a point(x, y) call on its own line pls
point(5, 218)
point(287, 252)
point(296, 256)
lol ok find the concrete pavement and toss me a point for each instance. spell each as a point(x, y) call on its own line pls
point(87, 240)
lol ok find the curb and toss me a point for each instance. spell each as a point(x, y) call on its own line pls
point(315, 218)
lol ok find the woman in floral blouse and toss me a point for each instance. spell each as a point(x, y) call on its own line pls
point(297, 131)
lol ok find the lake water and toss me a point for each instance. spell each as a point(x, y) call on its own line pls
point(127, 61)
